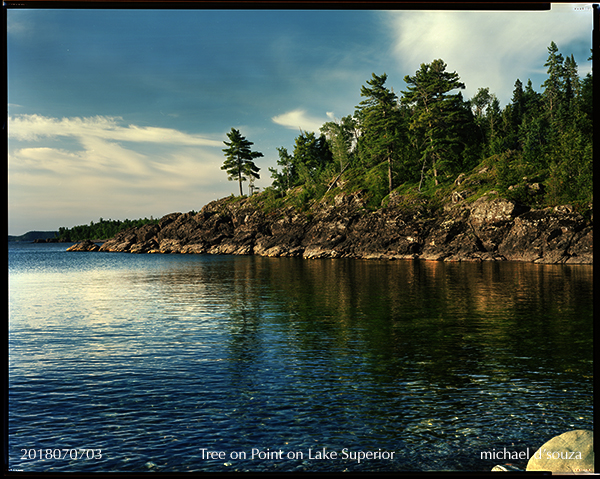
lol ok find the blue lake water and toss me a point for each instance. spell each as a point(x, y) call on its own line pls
point(177, 363)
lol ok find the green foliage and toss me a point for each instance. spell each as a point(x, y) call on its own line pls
point(439, 119)
point(269, 200)
point(570, 178)
point(380, 123)
point(239, 159)
point(341, 137)
point(375, 185)
point(311, 158)
point(303, 199)
point(537, 149)
point(512, 174)
point(554, 84)
point(287, 178)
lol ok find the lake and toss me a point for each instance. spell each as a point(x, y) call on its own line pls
point(186, 363)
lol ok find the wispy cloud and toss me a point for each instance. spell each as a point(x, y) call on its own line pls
point(33, 127)
point(487, 49)
point(149, 153)
point(299, 119)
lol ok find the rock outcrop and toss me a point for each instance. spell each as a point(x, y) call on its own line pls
point(488, 229)
point(86, 245)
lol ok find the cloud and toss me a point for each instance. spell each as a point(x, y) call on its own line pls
point(110, 170)
point(487, 49)
point(105, 164)
point(159, 151)
point(33, 127)
point(299, 119)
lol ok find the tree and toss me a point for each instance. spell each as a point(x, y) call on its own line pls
point(480, 102)
point(378, 121)
point(436, 115)
point(341, 136)
point(487, 117)
point(585, 103)
point(553, 86)
point(572, 82)
point(428, 132)
point(239, 163)
point(311, 156)
point(285, 180)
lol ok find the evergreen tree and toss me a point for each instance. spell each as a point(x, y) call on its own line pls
point(437, 116)
point(431, 131)
point(239, 163)
point(518, 102)
point(488, 118)
point(311, 156)
point(513, 116)
point(341, 136)
point(584, 105)
point(532, 100)
point(569, 139)
point(553, 86)
point(531, 111)
point(378, 121)
point(585, 102)
point(572, 83)
point(288, 177)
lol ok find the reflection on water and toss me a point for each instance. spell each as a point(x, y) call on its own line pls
point(153, 357)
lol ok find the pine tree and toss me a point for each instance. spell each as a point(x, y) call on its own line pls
point(311, 154)
point(553, 86)
point(239, 163)
point(486, 109)
point(378, 121)
point(436, 116)
point(340, 136)
point(287, 178)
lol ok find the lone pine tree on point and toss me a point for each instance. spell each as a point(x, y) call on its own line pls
point(239, 164)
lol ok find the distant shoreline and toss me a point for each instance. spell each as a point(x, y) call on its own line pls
point(43, 237)
point(32, 236)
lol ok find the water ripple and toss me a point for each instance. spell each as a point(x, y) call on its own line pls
point(151, 358)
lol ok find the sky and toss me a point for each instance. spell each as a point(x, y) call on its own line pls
point(121, 114)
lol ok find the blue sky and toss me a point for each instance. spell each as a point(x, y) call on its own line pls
point(123, 113)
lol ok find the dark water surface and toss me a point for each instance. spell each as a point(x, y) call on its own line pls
point(136, 363)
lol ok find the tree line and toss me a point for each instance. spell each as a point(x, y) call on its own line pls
point(103, 229)
point(429, 134)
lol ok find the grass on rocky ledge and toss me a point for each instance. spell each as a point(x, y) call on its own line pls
point(496, 176)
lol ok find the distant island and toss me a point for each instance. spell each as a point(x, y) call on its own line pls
point(37, 236)
point(96, 231)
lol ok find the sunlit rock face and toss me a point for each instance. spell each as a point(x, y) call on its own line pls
point(487, 229)
point(84, 246)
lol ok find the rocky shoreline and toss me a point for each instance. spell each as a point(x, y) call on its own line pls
point(488, 229)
